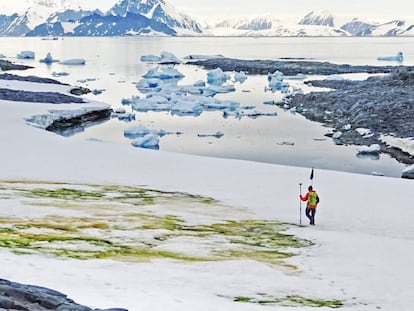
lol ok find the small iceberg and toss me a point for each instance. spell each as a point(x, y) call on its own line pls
point(150, 58)
point(60, 73)
point(397, 58)
point(276, 82)
point(74, 61)
point(408, 172)
point(26, 55)
point(149, 141)
point(123, 115)
point(48, 59)
point(217, 77)
point(217, 134)
point(372, 149)
point(163, 73)
point(169, 58)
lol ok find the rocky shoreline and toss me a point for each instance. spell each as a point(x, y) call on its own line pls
point(382, 104)
point(17, 296)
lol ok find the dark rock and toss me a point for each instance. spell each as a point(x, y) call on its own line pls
point(288, 67)
point(16, 296)
point(6, 65)
point(8, 76)
point(78, 91)
point(38, 97)
point(63, 124)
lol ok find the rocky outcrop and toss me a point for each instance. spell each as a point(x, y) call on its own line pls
point(16, 296)
point(289, 67)
point(38, 97)
point(6, 65)
point(63, 124)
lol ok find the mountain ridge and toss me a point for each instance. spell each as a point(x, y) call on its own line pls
point(158, 17)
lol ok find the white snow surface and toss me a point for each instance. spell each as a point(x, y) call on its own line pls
point(364, 233)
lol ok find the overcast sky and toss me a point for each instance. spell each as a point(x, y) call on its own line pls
point(201, 9)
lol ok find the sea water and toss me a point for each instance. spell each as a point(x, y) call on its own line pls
point(113, 65)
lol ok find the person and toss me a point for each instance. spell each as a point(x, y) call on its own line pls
point(312, 199)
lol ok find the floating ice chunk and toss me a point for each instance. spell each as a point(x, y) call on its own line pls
point(48, 59)
point(347, 127)
point(182, 107)
point(149, 141)
point(2, 55)
point(26, 55)
point(60, 74)
point(408, 172)
point(169, 58)
point(149, 85)
point(239, 77)
point(136, 131)
point(163, 72)
point(153, 103)
point(219, 89)
point(276, 82)
point(372, 149)
point(150, 58)
point(74, 62)
point(199, 83)
point(97, 91)
point(217, 77)
point(123, 115)
point(86, 80)
point(217, 134)
point(215, 104)
point(398, 58)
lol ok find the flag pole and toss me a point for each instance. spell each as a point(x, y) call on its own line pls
point(300, 204)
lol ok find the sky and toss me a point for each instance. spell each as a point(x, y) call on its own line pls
point(209, 9)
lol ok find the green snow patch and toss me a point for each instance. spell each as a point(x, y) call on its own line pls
point(291, 301)
point(134, 224)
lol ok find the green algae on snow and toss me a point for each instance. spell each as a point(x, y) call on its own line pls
point(132, 223)
point(292, 301)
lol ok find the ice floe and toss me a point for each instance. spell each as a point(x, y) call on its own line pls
point(26, 55)
point(398, 58)
point(48, 59)
point(74, 62)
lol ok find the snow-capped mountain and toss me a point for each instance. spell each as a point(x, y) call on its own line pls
point(324, 18)
point(158, 17)
point(126, 17)
point(254, 24)
point(270, 26)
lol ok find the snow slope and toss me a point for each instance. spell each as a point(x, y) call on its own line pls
point(364, 237)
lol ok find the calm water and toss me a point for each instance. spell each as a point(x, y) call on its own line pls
point(114, 65)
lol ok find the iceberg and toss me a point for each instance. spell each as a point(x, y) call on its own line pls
point(60, 73)
point(239, 77)
point(26, 55)
point(398, 58)
point(149, 141)
point(149, 85)
point(163, 72)
point(217, 77)
point(276, 82)
point(123, 115)
point(182, 106)
point(154, 103)
point(48, 59)
point(169, 58)
point(150, 58)
point(408, 172)
point(74, 62)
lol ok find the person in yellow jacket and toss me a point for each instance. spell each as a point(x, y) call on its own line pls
point(312, 199)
